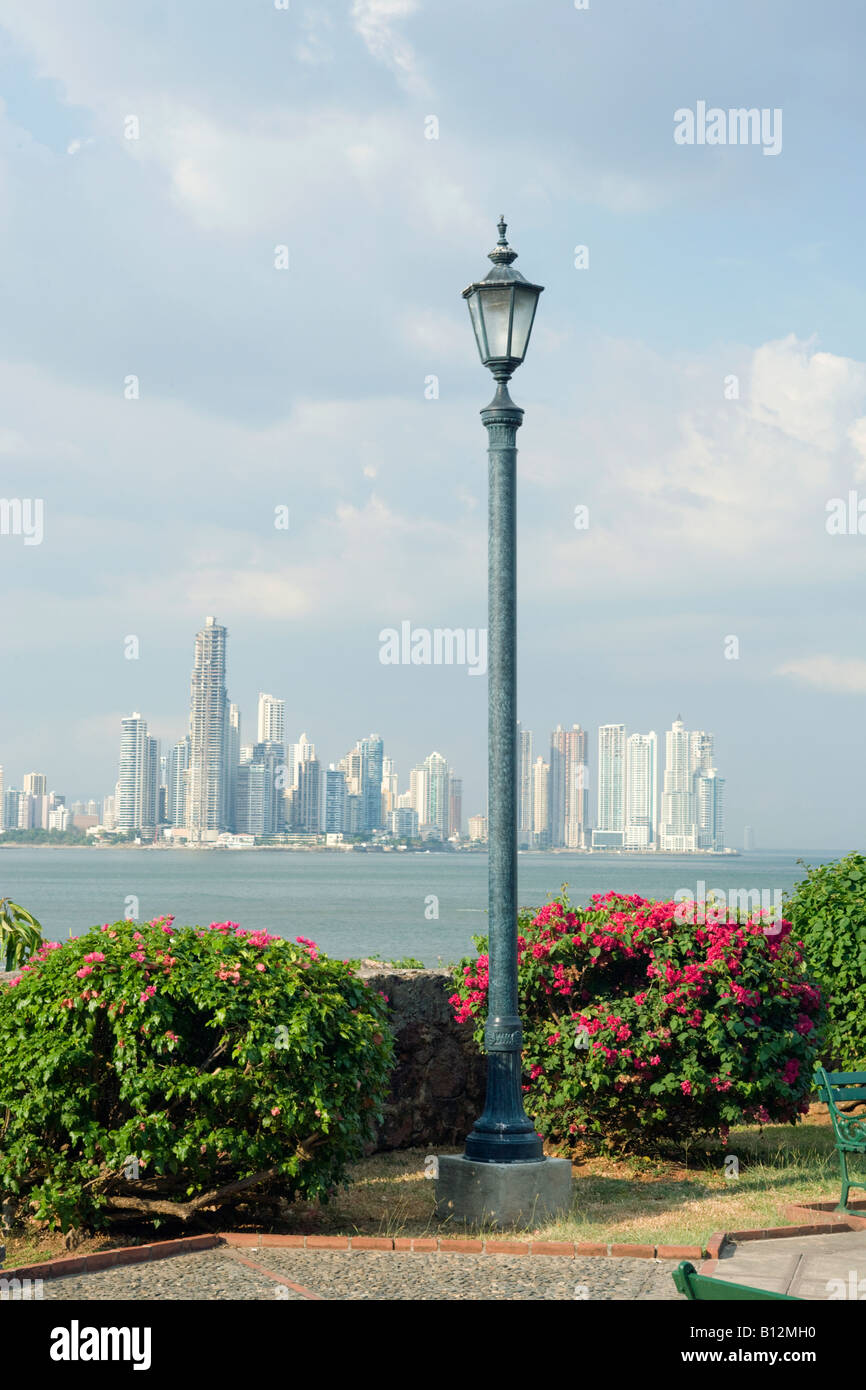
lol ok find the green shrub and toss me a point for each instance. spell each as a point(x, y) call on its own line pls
point(165, 1071)
point(655, 1021)
point(20, 935)
point(828, 910)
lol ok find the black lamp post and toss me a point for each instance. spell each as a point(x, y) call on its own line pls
point(502, 308)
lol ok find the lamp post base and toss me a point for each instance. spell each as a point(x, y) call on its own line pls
point(502, 1194)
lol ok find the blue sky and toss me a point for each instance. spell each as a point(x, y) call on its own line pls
point(305, 127)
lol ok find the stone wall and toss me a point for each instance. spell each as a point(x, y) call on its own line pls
point(437, 1087)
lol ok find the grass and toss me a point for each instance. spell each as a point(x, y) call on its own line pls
point(664, 1201)
point(640, 1200)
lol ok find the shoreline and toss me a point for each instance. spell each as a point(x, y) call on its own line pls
point(393, 849)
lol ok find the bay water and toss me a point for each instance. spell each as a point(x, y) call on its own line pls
point(427, 905)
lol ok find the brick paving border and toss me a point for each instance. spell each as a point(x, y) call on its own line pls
point(258, 1243)
point(832, 1222)
point(430, 1245)
point(107, 1259)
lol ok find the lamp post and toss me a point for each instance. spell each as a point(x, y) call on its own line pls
point(502, 308)
point(503, 1176)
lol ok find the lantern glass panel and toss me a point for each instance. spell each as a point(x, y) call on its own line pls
point(497, 319)
point(474, 303)
point(525, 300)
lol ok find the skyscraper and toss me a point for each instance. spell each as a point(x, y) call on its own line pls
point(610, 831)
point(335, 801)
point(455, 805)
point(709, 809)
point(2, 803)
point(641, 791)
point(178, 764)
point(258, 794)
point(677, 831)
point(310, 797)
point(232, 744)
point(390, 789)
point(271, 719)
point(206, 798)
point(568, 787)
point(138, 778)
point(371, 750)
point(540, 803)
point(35, 784)
point(436, 795)
point(524, 787)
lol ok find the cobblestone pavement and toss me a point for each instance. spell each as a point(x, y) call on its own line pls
point(373, 1275)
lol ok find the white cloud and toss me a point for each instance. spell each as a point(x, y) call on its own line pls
point(840, 675)
point(375, 21)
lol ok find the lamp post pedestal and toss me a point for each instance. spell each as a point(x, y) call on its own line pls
point(502, 1194)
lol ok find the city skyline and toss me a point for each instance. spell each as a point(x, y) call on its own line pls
point(212, 783)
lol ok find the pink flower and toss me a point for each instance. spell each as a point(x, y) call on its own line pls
point(275, 1110)
point(85, 970)
point(686, 1087)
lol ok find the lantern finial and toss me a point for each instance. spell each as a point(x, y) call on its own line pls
point(502, 253)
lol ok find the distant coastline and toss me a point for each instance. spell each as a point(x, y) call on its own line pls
point(400, 851)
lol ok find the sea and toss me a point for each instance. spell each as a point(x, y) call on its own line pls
point(391, 905)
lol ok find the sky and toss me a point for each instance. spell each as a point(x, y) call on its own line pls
point(696, 377)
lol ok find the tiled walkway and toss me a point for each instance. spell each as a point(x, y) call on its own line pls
point(813, 1267)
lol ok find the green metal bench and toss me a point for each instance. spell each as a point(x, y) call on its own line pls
point(837, 1088)
point(702, 1288)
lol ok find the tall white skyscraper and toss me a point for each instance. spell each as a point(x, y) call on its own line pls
point(524, 786)
point(301, 752)
point(610, 831)
point(271, 719)
point(335, 800)
point(438, 803)
point(709, 809)
point(700, 751)
point(138, 777)
point(390, 789)
point(569, 787)
point(206, 797)
point(677, 832)
point(177, 776)
point(2, 803)
point(232, 735)
point(540, 803)
point(641, 791)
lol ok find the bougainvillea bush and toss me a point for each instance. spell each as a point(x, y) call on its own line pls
point(641, 1025)
point(828, 909)
point(164, 1071)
